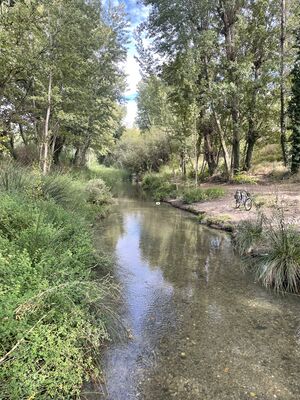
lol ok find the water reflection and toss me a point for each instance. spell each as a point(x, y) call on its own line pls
point(198, 327)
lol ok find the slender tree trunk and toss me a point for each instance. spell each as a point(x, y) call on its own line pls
point(223, 145)
point(44, 157)
point(252, 135)
point(249, 153)
point(282, 84)
point(228, 17)
point(58, 146)
point(22, 134)
point(80, 154)
point(209, 152)
point(218, 125)
point(197, 155)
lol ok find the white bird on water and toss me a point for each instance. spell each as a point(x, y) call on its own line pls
point(158, 203)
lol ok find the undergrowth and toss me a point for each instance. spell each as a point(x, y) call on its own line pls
point(275, 243)
point(158, 187)
point(54, 309)
point(195, 195)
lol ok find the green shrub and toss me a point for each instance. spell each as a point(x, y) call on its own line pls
point(196, 195)
point(63, 190)
point(111, 176)
point(97, 192)
point(244, 179)
point(52, 308)
point(158, 188)
point(14, 178)
point(279, 266)
point(248, 235)
point(276, 243)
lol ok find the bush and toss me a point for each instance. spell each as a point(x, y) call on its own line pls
point(97, 192)
point(196, 195)
point(62, 189)
point(53, 308)
point(248, 236)
point(158, 188)
point(277, 244)
point(244, 179)
point(14, 178)
point(139, 153)
point(47, 324)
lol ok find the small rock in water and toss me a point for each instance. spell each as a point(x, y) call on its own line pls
point(182, 355)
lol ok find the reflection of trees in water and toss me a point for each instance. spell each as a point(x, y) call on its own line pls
point(182, 249)
point(109, 231)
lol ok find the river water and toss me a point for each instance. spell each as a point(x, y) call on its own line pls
point(199, 328)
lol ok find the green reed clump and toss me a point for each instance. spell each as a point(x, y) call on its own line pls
point(248, 235)
point(275, 242)
point(196, 194)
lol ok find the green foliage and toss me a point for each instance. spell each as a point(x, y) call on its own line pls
point(276, 246)
point(62, 189)
point(158, 187)
point(196, 195)
point(53, 308)
point(13, 179)
point(244, 179)
point(279, 267)
point(248, 235)
point(113, 177)
point(71, 72)
point(294, 112)
point(97, 192)
point(139, 153)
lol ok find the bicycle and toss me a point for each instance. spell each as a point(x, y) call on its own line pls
point(242, 197)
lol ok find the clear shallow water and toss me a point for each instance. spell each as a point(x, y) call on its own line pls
point(199, 327)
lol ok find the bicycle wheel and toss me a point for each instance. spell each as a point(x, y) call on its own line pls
point(248, 204)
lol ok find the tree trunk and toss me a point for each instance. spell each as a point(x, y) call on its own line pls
point(223, 145)
point(58, 146)
point(22, 134)
point(209, 152)
point(80, 154)
point(228, 17)
point(44, 155)
point(282, 84)
point(249, 153)
point(197, 155)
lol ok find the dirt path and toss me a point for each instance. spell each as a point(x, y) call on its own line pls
point(222, 212)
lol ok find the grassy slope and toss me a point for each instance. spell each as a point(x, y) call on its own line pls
point(52, 307)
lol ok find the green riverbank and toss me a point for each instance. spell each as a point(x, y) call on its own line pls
point(55, 293)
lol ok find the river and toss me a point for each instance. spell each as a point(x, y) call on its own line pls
point(199, 327)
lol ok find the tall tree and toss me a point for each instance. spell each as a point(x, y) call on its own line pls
point(294, 112)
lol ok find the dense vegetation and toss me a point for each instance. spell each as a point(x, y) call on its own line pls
point(61, 80)
point(276, 245)
point(220, 95)
point(54, 295)
point(217, 82)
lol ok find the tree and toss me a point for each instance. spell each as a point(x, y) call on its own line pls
point(294, 112)
point(66, 92)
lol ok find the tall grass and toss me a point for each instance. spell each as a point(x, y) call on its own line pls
point(276, 244)
point(196, 194)
point(55, 301)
